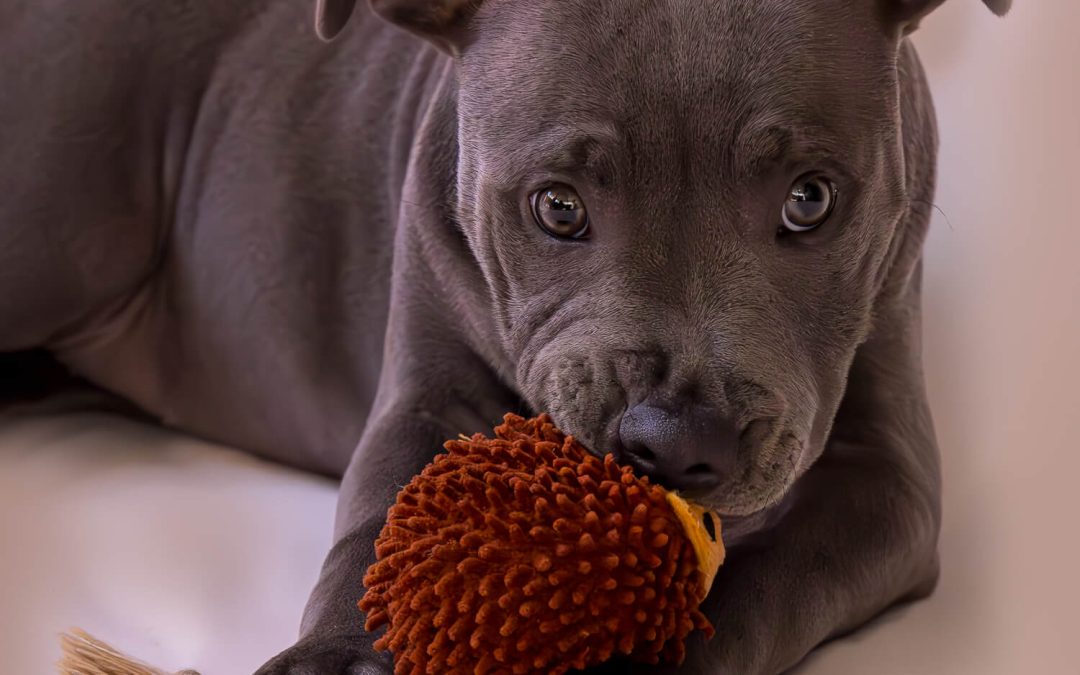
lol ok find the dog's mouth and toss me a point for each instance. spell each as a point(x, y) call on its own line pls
point(770, 454)
point(753, 501)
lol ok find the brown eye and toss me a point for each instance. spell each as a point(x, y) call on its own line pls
point(561, 212)
point(809, 203)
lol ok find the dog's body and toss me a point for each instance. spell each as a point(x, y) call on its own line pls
point(201, 211)
point(289, 246)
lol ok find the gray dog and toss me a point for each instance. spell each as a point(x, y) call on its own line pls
point(688, 229)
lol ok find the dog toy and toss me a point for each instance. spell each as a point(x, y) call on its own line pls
point(525, 554)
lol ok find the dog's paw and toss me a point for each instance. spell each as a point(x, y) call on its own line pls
point(341, 655)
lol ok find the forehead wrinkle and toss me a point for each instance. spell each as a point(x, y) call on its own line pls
point(572, 147)
point(760, 144)
point(767, 141)
point(589, 150)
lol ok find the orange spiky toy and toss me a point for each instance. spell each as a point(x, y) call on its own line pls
point(525, 554)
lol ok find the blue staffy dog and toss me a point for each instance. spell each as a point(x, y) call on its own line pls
point(688, 229)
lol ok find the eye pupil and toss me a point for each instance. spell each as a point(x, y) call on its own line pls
point(561, 212)
point(809, 203)
point(808, 192)
point(557, 202)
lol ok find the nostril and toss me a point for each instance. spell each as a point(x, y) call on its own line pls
point(644, 454)
point(699, 470)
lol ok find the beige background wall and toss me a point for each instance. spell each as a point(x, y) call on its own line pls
point(1002, 350)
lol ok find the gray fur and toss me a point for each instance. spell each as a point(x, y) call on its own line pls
point(291, 246)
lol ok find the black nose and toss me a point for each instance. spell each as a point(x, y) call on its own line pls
point(685, 448)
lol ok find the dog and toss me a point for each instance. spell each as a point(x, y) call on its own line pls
point(690, 231)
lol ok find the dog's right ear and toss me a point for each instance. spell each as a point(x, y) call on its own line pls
point(908, 13)
point(331, 16)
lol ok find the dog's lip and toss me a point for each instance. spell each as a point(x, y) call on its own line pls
point(737, 527)
point(734, 520)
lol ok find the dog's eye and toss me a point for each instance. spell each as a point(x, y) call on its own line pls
point(561, 212)
point(809, 203)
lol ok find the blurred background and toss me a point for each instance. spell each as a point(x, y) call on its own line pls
point(195, 555)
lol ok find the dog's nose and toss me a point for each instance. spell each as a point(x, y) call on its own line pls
point(684, 448)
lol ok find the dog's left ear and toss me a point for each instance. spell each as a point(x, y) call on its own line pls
point(441, 22)
point(331, 17)
point(908, 13)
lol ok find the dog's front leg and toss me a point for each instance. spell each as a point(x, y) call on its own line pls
point(397, 444)
point(858, 538)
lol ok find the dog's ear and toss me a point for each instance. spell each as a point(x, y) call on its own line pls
point(908, 13)
point(442, 22)
point(331, 16)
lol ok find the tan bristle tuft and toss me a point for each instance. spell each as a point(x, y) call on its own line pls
point(83, 654)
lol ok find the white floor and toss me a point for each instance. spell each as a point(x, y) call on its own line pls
point(189, 554)
point(183, 553)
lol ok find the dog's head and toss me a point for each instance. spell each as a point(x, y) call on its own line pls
point(683, 211)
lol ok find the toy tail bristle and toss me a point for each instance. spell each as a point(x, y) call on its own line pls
point(83, 654)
